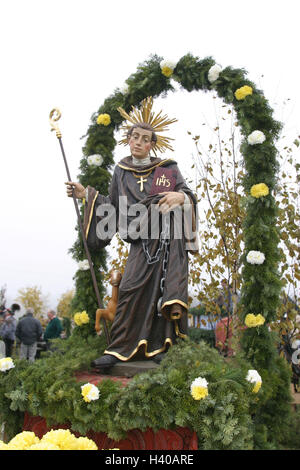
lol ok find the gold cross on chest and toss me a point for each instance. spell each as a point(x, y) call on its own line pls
point(141, 183)
point(142, 179)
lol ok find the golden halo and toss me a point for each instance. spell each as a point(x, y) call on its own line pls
point(146, 115)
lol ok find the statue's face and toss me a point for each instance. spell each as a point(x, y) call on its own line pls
point(140, 143)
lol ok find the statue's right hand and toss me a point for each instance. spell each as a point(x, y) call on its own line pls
point(75, 188)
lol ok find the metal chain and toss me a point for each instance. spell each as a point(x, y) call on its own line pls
point(163, 241)
point(164, 244)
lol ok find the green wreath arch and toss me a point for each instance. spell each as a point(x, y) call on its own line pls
point(261, 282)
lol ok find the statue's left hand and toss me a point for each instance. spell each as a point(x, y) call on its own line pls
point(170, 200)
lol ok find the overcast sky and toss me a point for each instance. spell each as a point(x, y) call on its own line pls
point(72, 55)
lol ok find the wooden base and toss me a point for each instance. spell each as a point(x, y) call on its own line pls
point(164, 439)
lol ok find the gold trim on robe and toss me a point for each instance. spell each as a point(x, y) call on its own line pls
point(147, 168)
point(175, 301)
point(91, 215)
point(145, 342)
point(181, 335)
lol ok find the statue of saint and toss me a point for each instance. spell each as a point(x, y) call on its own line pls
point(153, 209)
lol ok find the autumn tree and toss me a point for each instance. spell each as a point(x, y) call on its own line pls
point(64, 304)
point(219, 174)
point(32, 297)
point(288, 197)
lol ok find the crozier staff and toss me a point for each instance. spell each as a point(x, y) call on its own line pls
point(152, 307)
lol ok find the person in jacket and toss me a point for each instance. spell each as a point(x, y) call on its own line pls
point(7, 332)
point(53, 329)
point(29, 331)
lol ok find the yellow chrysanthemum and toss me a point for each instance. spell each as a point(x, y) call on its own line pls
point(6, 363)
point(77, 319)
point(167, 71)
point(104, 119)
point(251, 320)
point(242, 92)
point(23, 440)
point(199, 388)
point(3, 446)
point(62, 438)
point(44, 446)
point(259, 190)
point(85, 390)
point(83, 443)
point(89, 392)
point(260, 320)
point(257, 387)
point(84, 317)
point(199, 392)
point(81, 318)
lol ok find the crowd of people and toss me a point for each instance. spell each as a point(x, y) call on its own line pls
point(27, 333)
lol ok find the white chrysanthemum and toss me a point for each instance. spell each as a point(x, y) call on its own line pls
point(199, 382)
point(6, 363)
point(89, 392)
point(253, 376)
point(95, 160)
point(256, 137)
point(255, 257)
point(199, 388)
point(124, 88)
point(167, 63)
point(83, 265)
point(214, 72)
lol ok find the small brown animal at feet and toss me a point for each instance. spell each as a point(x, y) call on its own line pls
point(109, 312)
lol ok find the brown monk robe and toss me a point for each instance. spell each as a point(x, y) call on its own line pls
point(139, 329)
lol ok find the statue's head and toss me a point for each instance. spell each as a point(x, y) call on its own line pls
point(145, 126)
point(144, 118)
point(141, 139)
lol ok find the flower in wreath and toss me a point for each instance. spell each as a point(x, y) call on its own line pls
point(6, 363)
point(167, 67)
point(104, 119)
point(255, 257)
point(256, 137)
point(199, 388)
point(89, 392)
point(83, 265)
point(214, 72)
point(95, 160)
point(242, 92)
point(252, 321)
point(259, 190)
point(254, 377)
point(81, 318)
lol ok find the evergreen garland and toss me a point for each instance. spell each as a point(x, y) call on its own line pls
point(158, 399)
